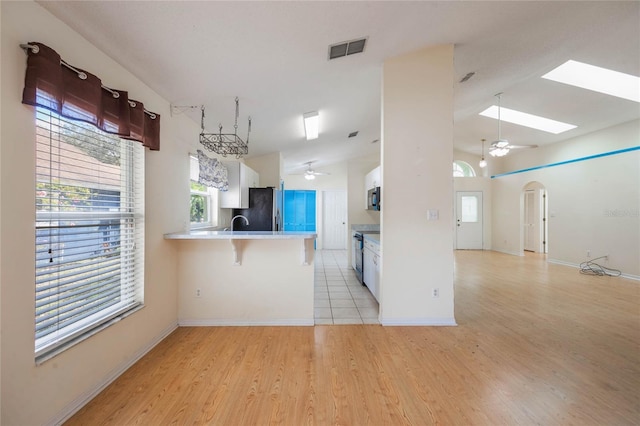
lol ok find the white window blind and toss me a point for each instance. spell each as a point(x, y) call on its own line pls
point(89, 231)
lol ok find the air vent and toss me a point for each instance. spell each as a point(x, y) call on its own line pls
point(353, 134)
point(347, 48)
point(467, 77)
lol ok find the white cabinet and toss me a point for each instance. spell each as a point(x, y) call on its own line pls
point(371, 181)
point(241, 178)
point(371, 267)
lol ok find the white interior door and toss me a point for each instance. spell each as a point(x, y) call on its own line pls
point(469, 222)
point(334, 220)
point(530, 221)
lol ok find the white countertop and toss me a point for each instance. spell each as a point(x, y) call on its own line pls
point(374, 238)
point(240, 235)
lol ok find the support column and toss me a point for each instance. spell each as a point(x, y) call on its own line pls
point(417, 193)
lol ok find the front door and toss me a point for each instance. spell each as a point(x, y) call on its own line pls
point(469, 220)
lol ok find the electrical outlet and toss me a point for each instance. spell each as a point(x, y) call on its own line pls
point(435, 292)
point(198, 292)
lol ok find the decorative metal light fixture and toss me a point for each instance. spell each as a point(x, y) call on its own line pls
point(225, 143)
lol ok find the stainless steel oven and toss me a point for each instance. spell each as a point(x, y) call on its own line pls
point(358, 247)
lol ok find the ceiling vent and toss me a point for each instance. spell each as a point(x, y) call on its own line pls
point(467, 77)
point(346, 48)
point(353, 134)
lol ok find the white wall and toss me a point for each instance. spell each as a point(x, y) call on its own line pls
point(270, 287)
point(417, 254)
point(47, 393)
point(473, 161)
point(593, 205)
point(1, 262)
point(269, 167)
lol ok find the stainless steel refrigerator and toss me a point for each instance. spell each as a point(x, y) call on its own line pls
point(264, 212)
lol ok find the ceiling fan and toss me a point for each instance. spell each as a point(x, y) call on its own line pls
point(501, 147)
point(311, 174)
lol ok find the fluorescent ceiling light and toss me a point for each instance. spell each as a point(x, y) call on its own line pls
point(311, 124)
point(598, 79)
point(528, 120)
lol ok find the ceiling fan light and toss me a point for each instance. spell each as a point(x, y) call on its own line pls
point(309, 176)
point(499, 152)
point(311, 124)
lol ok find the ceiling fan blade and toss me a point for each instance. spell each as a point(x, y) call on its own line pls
point(522, 146)
point(500, 143)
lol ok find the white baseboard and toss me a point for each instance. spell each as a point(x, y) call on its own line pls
point(513, 253)
point(577, 266)
point(75, 405)
point(242, 323)
point(562, 262)
point(418, 321)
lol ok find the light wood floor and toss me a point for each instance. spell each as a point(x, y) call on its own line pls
point(537, 344)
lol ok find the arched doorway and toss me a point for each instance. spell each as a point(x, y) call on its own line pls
point(534, 218)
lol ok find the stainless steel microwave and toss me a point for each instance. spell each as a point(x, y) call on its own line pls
point(374, 199)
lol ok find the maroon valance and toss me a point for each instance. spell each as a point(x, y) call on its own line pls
point(53, 84)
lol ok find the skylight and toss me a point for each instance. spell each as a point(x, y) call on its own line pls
point(598, 79)
point(528, 120)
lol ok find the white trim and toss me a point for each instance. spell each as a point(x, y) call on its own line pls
point(419, 321)
point(75, 405)
point(242, 323)
point(562, 262)
point(577, 266)
point(513, 253)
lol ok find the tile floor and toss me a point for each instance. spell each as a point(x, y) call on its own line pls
point(339, 297)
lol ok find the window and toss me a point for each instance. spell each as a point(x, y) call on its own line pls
point(203, 211)
point(469, 209)
point(462, 169)
point(89, 248)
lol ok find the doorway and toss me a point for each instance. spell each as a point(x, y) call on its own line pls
point(469, 221)
point(534, 218)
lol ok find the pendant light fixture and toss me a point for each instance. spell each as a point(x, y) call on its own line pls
point(483, 162)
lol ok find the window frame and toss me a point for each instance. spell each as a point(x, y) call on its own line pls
point(463, 169)
point(64, 317)
point(211, 196)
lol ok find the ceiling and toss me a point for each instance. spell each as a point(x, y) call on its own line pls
point(274, 57)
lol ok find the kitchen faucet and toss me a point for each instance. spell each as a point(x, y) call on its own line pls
point(235, 217)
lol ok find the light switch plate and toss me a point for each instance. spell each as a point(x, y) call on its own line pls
point(432, 215)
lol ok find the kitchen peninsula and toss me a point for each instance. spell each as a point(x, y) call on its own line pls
point(245, 277)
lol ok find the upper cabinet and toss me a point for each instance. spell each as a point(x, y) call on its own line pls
point(241, 178)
